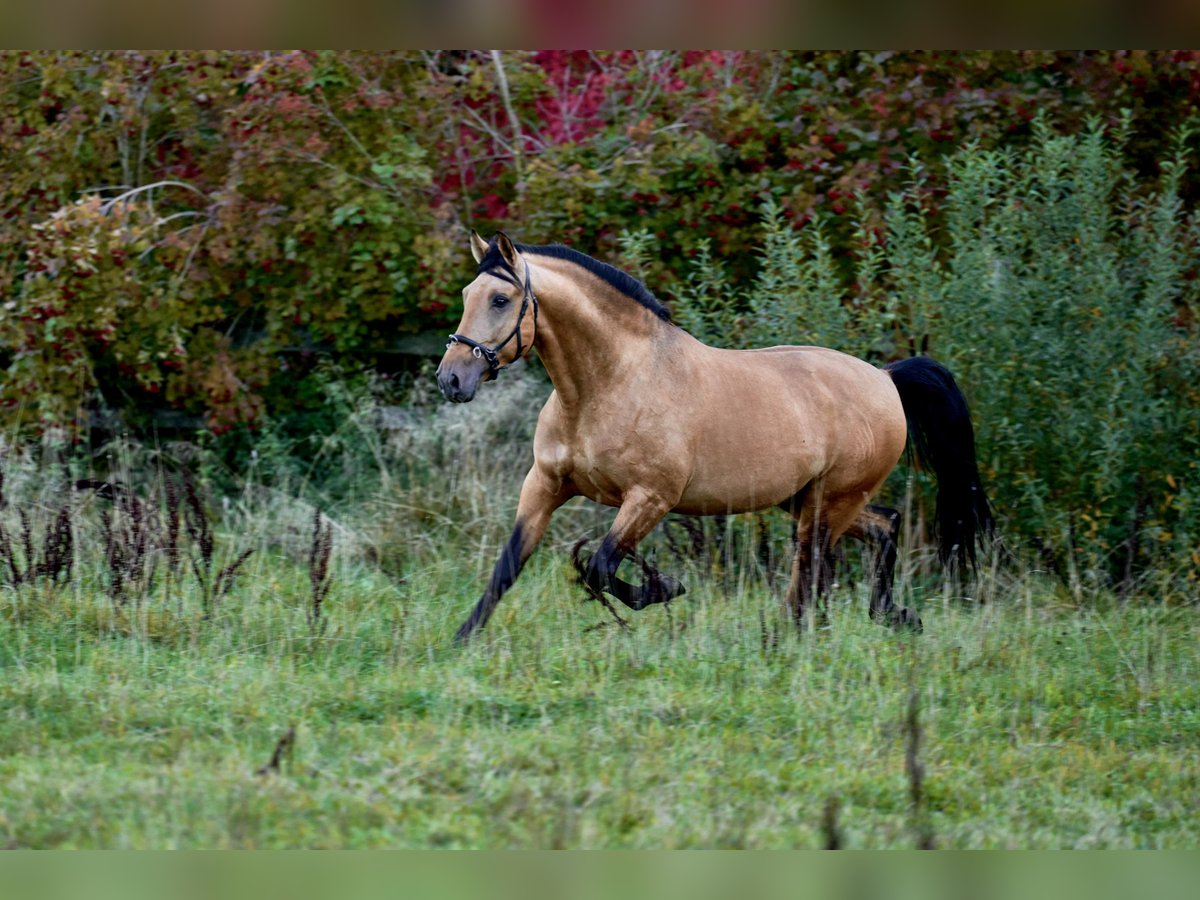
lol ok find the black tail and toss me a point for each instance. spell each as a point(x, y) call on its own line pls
point(939, 427)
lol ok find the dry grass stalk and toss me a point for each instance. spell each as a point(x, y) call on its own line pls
point(916, 772)
point(57, 556)
point(768, 635)
point(27, 541)
point(318, 568)
point(696, 545)
point(13, 575)
point(226, 576)
point(171, 532)
point(58, 550)
point(137, 535)
point(200, 532)
point(829, 824)
point(130, 531)
point(283, 747)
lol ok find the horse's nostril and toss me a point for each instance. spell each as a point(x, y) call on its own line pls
point(454, 380)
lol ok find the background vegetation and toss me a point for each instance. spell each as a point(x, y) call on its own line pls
point(235, 517)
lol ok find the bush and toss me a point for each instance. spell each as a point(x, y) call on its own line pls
point(190, 230)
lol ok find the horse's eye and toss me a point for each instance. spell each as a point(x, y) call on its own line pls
point(499, 301)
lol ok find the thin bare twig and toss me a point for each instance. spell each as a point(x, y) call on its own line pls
point(581, 568)
point(226, 576)
point(514, 122)
point(128, 195)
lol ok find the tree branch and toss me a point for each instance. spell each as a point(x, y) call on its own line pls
point(518, 138)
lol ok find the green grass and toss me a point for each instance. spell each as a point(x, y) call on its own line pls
point(1046, 724)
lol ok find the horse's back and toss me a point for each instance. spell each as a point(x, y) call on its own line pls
point(853, 402)
point(816, 373)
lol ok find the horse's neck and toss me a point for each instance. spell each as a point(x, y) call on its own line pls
point(591, 345)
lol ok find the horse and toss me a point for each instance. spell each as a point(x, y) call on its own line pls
point(648, 419)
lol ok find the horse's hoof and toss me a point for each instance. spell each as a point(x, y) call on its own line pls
point(905, 619)
point(667, 588)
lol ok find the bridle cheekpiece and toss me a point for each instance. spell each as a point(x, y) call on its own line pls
point(492, 354)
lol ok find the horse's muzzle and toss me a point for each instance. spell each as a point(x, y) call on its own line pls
point(458, 384)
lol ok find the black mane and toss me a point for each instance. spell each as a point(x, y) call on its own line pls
point(621, 281)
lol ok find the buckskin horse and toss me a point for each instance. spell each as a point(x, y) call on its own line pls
point(647, 419)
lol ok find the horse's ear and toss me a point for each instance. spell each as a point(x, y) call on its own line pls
point(507, 250)
point(478, 246)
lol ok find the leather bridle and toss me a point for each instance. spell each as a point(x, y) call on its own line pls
point(492, 354)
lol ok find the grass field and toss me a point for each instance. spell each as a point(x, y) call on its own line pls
point(1043, 725)
point(1048, 713)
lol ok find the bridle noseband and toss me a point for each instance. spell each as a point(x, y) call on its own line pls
point(492, 354)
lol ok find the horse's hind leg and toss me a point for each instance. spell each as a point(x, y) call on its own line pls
point(880, 526)
point(638, 515)
point(824, 517)
point(812, 543)
point(812, 567)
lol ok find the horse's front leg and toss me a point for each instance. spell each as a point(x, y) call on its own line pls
point(639, 513)
point(541, 495)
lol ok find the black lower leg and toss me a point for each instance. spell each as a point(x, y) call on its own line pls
point(883, 536)
point(507, 567)
point(656, 588)
point(599, 576)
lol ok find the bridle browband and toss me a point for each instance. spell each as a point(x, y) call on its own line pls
point(492, 354)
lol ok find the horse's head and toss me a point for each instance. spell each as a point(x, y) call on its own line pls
point(499, 321)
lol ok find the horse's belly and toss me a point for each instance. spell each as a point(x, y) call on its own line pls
point(741, 464)
point(742, 483)
point(704, 504)
point(795, 415)
point(598, 486)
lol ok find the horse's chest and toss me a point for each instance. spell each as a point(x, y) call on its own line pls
point(604, 458)
point(601, 473)
point(604, 469)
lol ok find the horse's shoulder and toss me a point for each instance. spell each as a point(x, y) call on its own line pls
point(552, 452)
point(550, 415)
